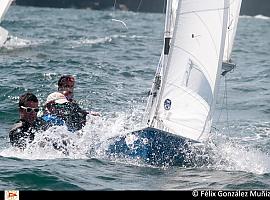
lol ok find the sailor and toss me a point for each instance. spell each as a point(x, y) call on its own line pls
point(24, 130)
point(66, 85)
point(59, 111)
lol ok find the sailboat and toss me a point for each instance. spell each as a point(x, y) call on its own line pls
point(198, 40)
point(4, 6)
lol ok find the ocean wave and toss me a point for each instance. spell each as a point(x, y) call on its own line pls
point(14, 42)
point(256, 17)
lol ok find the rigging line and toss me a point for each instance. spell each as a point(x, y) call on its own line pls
point(139, 6)
point(114, 8)
point(164, 7)
point(205, 10)
point(226, 103)
point(114, 5)
point(222, 104)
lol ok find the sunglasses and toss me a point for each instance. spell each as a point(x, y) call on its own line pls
point(29, 109)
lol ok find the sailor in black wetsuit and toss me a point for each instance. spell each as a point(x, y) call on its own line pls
point(66, 84)
point(59, 111)
point(24, 130)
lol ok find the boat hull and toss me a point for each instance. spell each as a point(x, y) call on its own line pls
point(153, 146)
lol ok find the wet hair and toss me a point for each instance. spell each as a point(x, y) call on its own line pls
point(26, 98)
point(64, 79)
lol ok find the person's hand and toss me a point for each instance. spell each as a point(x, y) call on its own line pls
point(95, 113)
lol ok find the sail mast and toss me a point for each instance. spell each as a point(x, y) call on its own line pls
point(154, 94)
point(169, 31)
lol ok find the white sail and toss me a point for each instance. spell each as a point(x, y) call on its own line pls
point(173, 13)
point(3, 35)
point(4, 5)
point(234, 11)
point(168, 31)
point(189, 77)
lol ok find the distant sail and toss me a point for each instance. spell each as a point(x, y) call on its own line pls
point(4, 5)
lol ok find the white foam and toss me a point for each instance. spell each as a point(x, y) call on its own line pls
point(261, 17)
point(91, 141)
point(16, 43)
point(256, 17)
point(86, 41)
point(232, 155)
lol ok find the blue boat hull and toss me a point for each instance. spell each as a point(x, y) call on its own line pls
point(154, 147)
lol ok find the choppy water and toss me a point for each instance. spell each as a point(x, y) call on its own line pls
point(114, 64)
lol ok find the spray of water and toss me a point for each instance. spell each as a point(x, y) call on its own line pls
point(17, 43)
point(91, 141)
point(234, 154)
point(218, 152)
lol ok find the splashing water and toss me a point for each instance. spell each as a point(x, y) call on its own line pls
point(92, 141)
point(229, 154)
point(218, 152)
point(17, 43)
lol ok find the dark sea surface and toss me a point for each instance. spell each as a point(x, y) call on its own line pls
point(114, 64)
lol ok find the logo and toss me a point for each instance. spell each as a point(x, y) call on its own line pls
point(12, 195)
point(167, 104)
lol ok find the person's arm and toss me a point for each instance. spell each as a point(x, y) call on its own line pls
point(17, 135)
point(95, 113)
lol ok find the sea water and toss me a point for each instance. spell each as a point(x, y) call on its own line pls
point(113, 55)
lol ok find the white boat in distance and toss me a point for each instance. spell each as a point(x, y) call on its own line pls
point(4, 6)
point(198, 41)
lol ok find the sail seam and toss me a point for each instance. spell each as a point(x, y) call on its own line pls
point(180, 125)
point(211, 36)
point(191, 93)
point(197, 60)
point(206, 10)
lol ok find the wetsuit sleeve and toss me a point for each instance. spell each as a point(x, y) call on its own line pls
point(76, 118)
point(16, 135)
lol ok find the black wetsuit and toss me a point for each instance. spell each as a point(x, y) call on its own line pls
point(76, 117)
point(73, 117)
point(23, 132)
